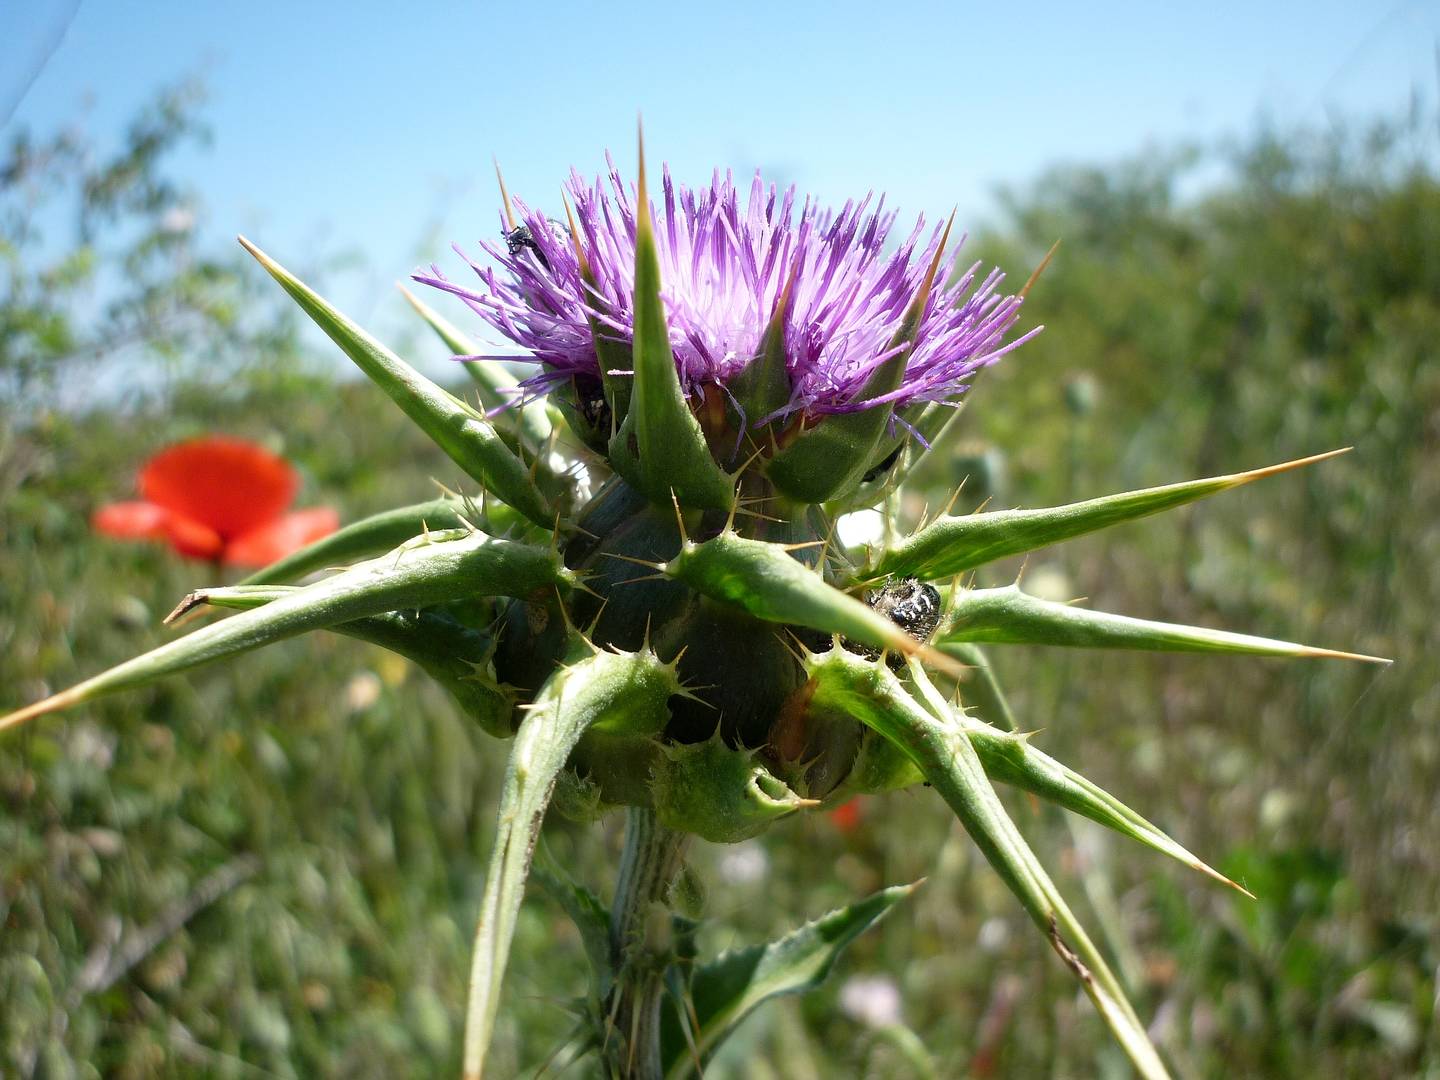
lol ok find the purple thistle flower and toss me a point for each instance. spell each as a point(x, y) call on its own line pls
point(724, 266)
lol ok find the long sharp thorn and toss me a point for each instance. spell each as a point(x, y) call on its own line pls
point(637, 580)
point(1035, 274)
point(1336, 654)
point(1024, 565)
point(642, 205)
point(829, 539)
point(637, 562)
point(679, 517)
point(748, 462)
point(950, 503)
point(799, 653)
point(192, 616)
point(190, 602)
point(924, 516)
point(504, 196)
point(922, 297)
point(54, 703)
point(742, 512)
point(1251, 475)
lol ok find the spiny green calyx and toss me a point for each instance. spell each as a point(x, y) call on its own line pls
point(718, 794)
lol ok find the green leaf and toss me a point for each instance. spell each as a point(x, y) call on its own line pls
point(420, 574)
point(945, 755)
point(361, 539)
point(493, 382)
point(660, 447)
point(728, 988)
point(588, 914)
point(828, 460)
point(762, 579)
point(592, 687)
point(951, 545)
point(1009, 616)
point(468, 438)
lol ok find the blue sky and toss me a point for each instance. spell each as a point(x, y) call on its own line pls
point(371, 126)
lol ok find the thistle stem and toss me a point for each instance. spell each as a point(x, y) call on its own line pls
point(640, 944)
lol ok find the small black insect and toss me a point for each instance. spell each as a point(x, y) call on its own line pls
point(884, 466)
point(590, 403)
point(521, 238)
point(911, 605)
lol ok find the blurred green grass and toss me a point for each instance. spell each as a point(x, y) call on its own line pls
point(1292, 309)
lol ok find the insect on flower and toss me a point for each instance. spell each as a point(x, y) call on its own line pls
point(912, 605)
point(520, 239)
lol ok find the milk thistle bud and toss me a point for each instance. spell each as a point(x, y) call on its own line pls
point(689, 642)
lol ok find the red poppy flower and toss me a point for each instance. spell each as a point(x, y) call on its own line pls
point(219, 499)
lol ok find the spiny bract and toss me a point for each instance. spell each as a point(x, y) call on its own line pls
point(651, 604)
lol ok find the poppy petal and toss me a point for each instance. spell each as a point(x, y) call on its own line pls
point(130, 520)
point(276, 539)
point(192, 538)
point(230, 485)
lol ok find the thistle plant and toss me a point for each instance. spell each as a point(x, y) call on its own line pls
point(643, 591)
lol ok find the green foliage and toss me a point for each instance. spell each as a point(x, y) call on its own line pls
point(345, 954)
point(725, 990)
point(101, 271)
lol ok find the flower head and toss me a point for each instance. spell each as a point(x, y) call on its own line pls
point(218, 498)
point(726, 259)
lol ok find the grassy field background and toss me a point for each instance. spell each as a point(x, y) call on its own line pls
point(271, 868)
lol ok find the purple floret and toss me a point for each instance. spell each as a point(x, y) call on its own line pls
point(723, 266)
